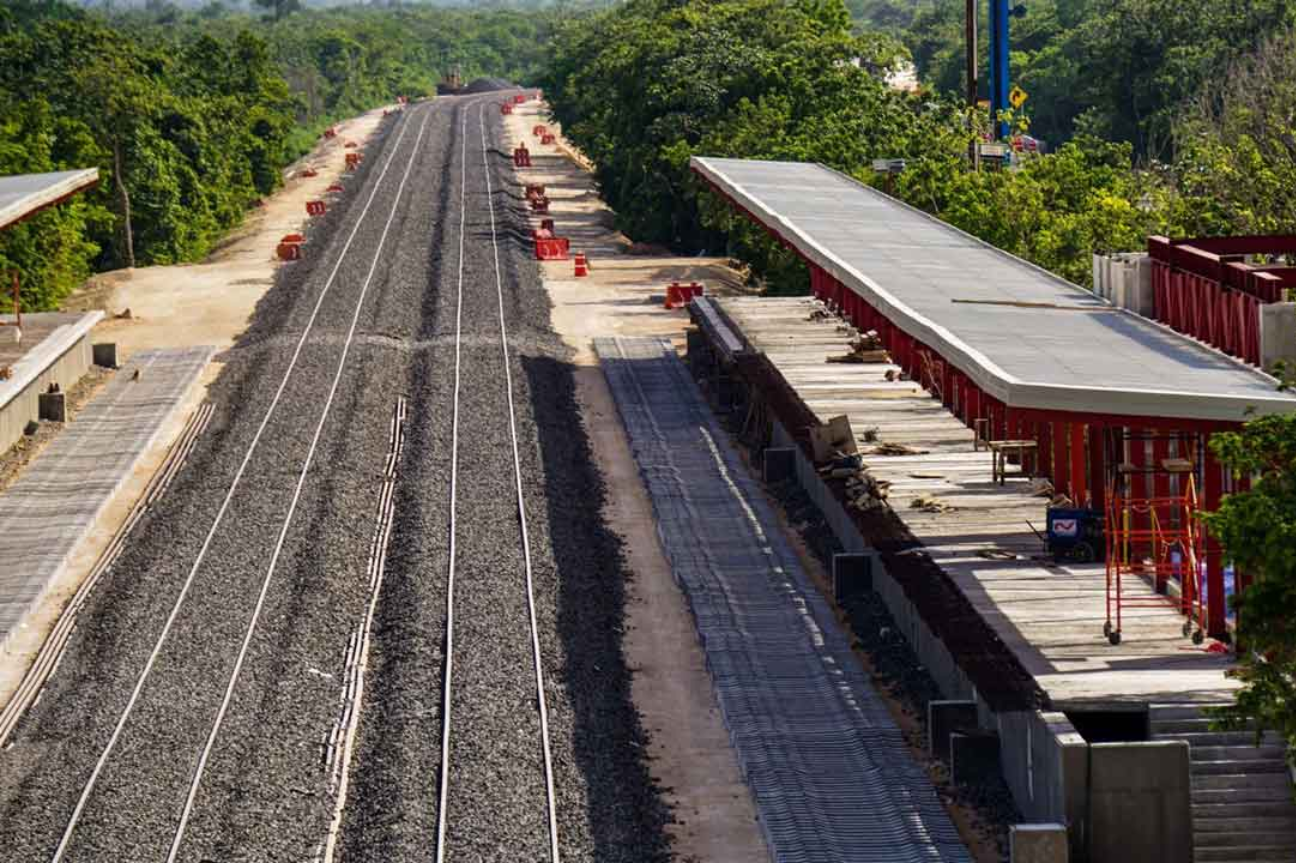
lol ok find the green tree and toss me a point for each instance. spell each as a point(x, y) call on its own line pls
point(1257, 529)
point(280, 9)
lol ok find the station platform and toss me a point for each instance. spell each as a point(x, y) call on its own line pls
point(52, 505)
point(980, 532)
point(54, 348)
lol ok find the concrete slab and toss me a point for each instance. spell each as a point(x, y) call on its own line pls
point(54, 349)
point(1050, 616)
point(46, 513)
point(1026, 337)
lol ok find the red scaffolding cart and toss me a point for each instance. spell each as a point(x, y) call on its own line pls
point(1158, 539)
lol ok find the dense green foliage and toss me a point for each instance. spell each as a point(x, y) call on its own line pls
point(643, 86)
point(1119, 69)
point(1258, 531)
point(192, 117)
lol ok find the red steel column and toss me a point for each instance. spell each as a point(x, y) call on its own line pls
point(1214, 560)
point(1043, 432)
point(1078, 463)
point(1098, 466)
point(1138, 490)
point(1061, 434)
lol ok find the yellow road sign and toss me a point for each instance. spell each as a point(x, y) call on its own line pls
point(1017, 96)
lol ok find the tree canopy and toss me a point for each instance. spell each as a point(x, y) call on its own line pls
point(191, 117)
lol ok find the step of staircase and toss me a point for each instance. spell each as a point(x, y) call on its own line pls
point(1242, 804)
point(1237, 765)
point(1243, 854)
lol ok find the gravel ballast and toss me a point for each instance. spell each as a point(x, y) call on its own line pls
point(265, 792)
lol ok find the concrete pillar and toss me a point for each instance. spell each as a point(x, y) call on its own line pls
point(1277, 334)
point(1037, 843)
point(1139, 802)
point(52, 407)
point(974, 757)
point(105, 354)
point(852, 575)
point(945, 718)
point(778, 464)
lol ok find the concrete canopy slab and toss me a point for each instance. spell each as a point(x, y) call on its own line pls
point(22, 195)
point(1061, 348)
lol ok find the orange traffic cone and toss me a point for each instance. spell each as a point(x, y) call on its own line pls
point(582, 267)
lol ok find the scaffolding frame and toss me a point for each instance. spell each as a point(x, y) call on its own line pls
point(1157, 537)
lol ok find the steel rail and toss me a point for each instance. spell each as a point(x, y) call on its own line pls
point(196, 781)
point(151, 662)
point(50, 655)
point(521, 509)
point(443, 794)
point(343, 739)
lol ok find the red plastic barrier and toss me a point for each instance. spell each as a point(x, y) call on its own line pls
point(539, 130)
point(682, 295)
point(552, 249)
point(546, 138)
point(309, 172)
point(521, 157)
point(335, 188)
point(289, 251)
point(506, 108)
point(316, 208)
point(293, 238)
point(519, 99)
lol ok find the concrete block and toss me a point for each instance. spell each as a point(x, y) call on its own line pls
point(974, 757)
point(1278, 335)
point(778, 464)
point(945, 718)
point(105, 354)
point(852, 575)
point(1139, 802)
point(52, 407)
point(1037, 843)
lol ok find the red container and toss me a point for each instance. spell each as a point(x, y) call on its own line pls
point(552, 249)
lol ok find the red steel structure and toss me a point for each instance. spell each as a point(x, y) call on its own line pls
point(1073, 445)
point(1204, 288)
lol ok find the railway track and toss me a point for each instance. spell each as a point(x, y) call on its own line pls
point(331, 662)
point(50, 656)
point(90, 785)
point(447, 773)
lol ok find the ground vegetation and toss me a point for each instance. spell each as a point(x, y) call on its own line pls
point(1257, 529)
point(645, 85)
point(192, 116)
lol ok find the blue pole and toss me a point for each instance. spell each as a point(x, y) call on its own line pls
point(999, 64)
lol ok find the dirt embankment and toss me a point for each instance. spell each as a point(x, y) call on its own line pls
point(210, 303)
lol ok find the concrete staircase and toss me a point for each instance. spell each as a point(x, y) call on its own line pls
point(1242, 803)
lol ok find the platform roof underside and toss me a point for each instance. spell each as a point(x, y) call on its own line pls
point(22, 195)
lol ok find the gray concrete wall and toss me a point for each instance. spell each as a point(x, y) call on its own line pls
point(1278, 335)
point(23, 408)
point(953, 683)
point(1043, 759)
point(1139, 804)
